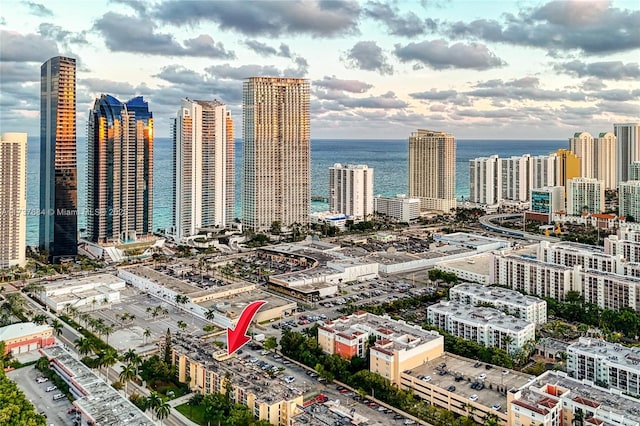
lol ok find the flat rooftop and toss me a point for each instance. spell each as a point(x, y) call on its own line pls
point(401, 334)
point(480, 315)
point(478, 264)
point(499, 294)
point(606, 400)
point(103, 404)
point(233, 305)
point(174, 284)
point(617, 354)
point(468, 373)
point(469, 240)
point(97, 279)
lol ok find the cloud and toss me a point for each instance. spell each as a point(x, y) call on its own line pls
point(409, 25)
point(619, 108)
point(333, 83)
point(25, 48)
point(38, 9)
point(264, 49)
point(386, 101)
point(137, 5)
point(434, 94)
point(593, 27)
point(367, 55)
point(318, 18)
point(241, 72)
point(438, 54)
point(592, 84)
point(64, 37)
point(618, 95)
point(123, 33)
point(521, 89)
point(610, 70)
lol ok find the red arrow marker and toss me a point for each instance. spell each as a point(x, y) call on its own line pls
point(237, 338)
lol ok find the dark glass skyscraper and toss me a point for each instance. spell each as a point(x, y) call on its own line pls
point(58, 167)
point(120, 170)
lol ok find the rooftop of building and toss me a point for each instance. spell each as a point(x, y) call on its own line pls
point(615, 353)
point(580, 391)
point(481, 315)
point(498, 294)
point(398, 335)
point(13, 331)
point(105, 405)
point(478, 264)
point(232, 306)
point(96, 279)
point(171, 283)
point(468, 240)
point(532, 260)
point(570, 245)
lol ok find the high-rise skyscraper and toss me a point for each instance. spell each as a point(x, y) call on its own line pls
point(628, 144)
point(542, 171)
point(634, 170)
point(120, 170)
point(582, 145)
point(605, 161)
point(276, 151)
point(567, 166)
point(484, 180)
point(13, 199)
point(432, 169)
point(514, 178)
point(629, 199)
point(58, 166)
point(203, 168)
point(351, 190)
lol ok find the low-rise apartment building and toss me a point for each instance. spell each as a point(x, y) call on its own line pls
point(554, 399)
point(395, 346)
point(486, 326)
point(608, 364)
point(529, 308)
point(400, 207)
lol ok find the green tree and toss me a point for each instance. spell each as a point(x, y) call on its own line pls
point(84, 345)
point(57, 327)
point(127, 374)
point(162, 410)
point(167, 348)
point(270, 343)
point(194, 401)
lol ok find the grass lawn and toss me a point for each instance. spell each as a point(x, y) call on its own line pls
point(195, 414)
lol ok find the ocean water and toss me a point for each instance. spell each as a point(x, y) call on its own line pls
point(387, 157)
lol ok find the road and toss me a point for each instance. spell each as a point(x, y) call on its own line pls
point(489, 221)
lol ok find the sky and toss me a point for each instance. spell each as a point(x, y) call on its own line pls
point(378, 69)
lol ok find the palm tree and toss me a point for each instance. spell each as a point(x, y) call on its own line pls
point(57, 327)
point(127, 374)
point(181, 325)
point(131, 357)
point(146, 334)
point(210, 314)
point(163, 410)
point(153, 401)
point(107, 358)
point(84, 345)
point(39, 319)
point(106, 330)
point(149, 310)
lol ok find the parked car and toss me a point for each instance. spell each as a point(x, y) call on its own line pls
point(473, 397)
point(51, 388)
point(42, 379)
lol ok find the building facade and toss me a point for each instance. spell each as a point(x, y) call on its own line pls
point(432, 169)
point(605, 159)
point(514, 303)
point(568, 166)
point(547, 200)
point(634, 170)
point(58, 163)
point(351, 190)
point(25, 337)
point(400, 207)
point(542, 171)
point(583, 145)
point(276, 152)
point(13, 199)
point(484, 180)
point(514, 184)
point(203, 168)
point(486, 326)
point(629, 199)
point(628, 147)
point(585, 195)
point(120, 170)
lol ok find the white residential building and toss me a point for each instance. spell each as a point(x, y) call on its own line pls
point(351, 190)
point(583, 146)
point(13, 199)
point(529, 308)
point(543, 171)
point(203, 168)
point(628, 144)
point(610, 364)
point(626, 250)
point(629, 199)
point(486, 326)
point(585, 194)
point(605, 159)
point(634, 171)
point(483, 180)
point(400, 207)
point(514, 178)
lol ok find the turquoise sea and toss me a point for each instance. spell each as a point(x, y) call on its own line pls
point(387, 157)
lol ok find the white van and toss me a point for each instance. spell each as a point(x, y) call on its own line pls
point(58, 396)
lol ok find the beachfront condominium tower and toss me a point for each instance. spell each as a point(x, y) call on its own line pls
point(120, 170)
point(351, 190)
point(629, 199)
point(58, 166)
point(583, 145)
point(567, 167)
point(13, 199)
point(605, 161)
point(628, 143)
point(484, 180)
point(276, 152)
point(203, 168)
point(432, 169)
point(585, 195)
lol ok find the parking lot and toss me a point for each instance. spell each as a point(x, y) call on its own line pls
point(56, 411)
